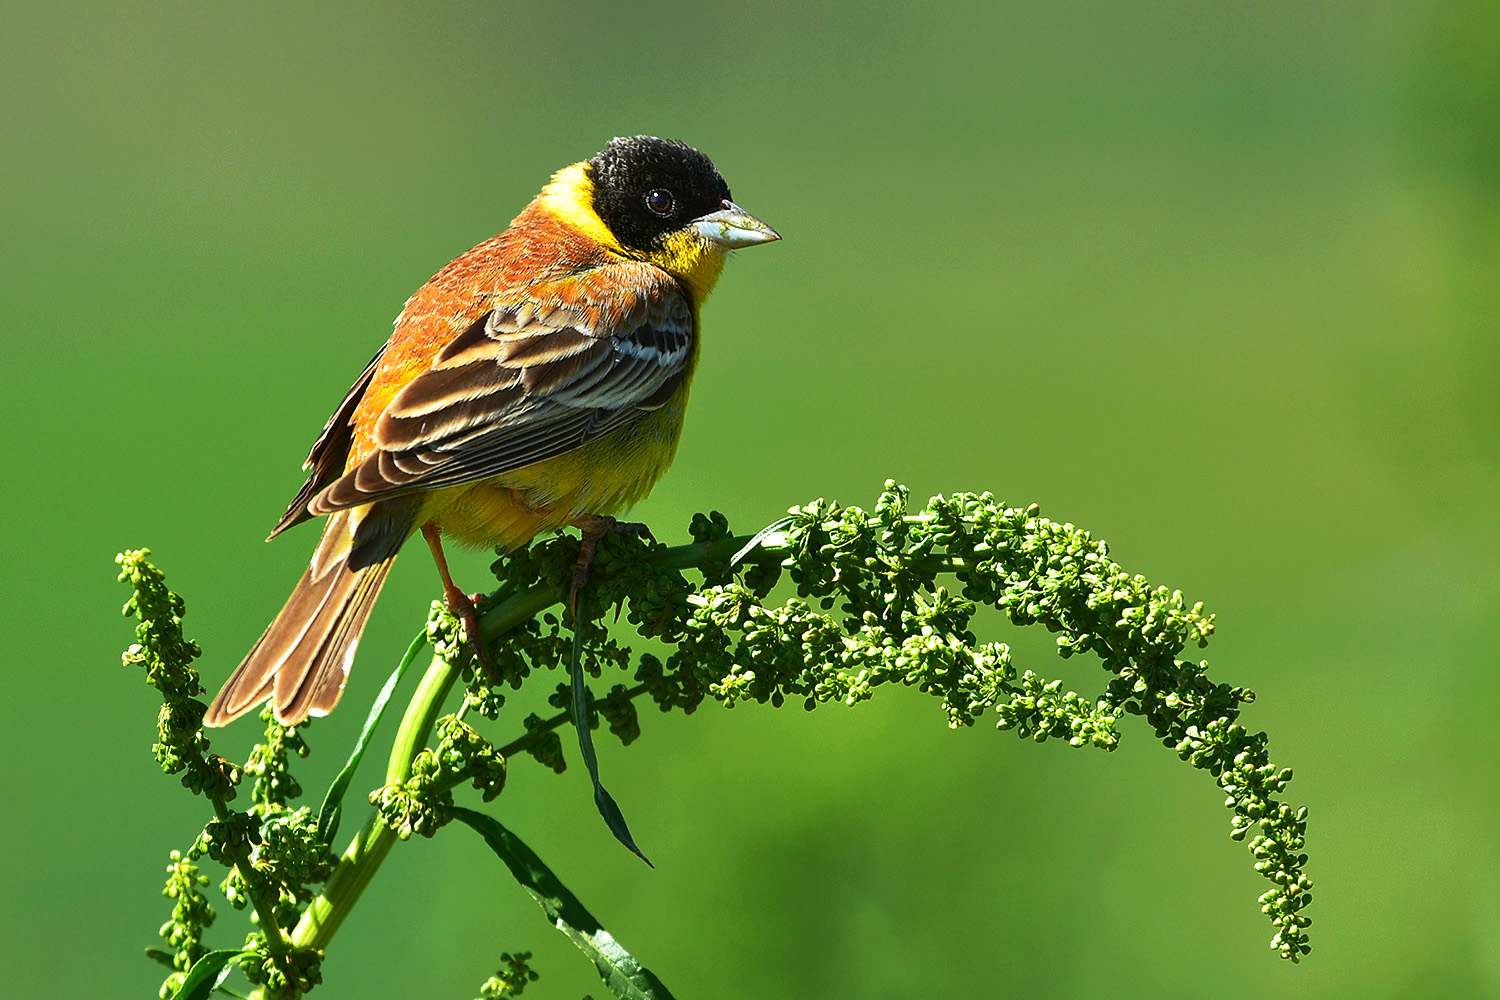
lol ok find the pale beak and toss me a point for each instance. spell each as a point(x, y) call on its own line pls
point(732, 227)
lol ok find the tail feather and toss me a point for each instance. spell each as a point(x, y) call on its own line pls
point(303, 658)
point(328, 652)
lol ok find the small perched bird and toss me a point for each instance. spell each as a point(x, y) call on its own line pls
point(535, 382)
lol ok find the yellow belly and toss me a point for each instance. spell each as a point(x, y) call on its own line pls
point(603, 477)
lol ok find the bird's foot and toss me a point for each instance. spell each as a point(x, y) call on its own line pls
point(466, 608)
point(594, 528)
point(460, 603)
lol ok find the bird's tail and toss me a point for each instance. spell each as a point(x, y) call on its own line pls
point(303, 659)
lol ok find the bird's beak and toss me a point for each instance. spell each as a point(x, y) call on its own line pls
point(732, 227)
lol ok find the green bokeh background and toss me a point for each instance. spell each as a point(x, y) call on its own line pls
point(1217, 281)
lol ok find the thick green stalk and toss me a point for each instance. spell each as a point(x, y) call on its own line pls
point(373, 842)
point(365, 853)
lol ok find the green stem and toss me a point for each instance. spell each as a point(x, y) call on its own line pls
point(373, 842)
point(276, 942)
point(775, 547)
point(520, 743)
point(771, 548)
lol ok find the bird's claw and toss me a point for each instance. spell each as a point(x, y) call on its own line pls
point(595, 527)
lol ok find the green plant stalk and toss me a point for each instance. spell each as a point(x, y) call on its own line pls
point(365, 853)
point(359, 862)
point(520, 743)
point(276, 942)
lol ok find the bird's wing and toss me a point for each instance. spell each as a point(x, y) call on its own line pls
point(331, 450)
point(526, 382)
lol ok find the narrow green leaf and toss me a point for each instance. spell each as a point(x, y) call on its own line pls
point(578, 708)
point(779, 525)
point(206, 975)
point(329, 815)
point(625, 977)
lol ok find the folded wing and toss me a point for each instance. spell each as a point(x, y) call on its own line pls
point(521, 385)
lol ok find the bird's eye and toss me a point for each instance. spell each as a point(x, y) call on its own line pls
point(659, 201)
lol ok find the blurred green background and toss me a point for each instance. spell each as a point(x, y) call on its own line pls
point(1217, 281)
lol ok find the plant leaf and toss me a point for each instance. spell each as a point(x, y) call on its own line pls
point(625, 977)
point(330, 813)
point(778, 525)
point(206, 975)
point(578, 708)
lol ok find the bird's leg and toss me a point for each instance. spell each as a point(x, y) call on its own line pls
point(594, 528)
point(460, 603)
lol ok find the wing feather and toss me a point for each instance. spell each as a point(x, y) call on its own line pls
point(526, 382)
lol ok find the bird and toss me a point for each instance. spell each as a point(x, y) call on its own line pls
point(535, 382)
